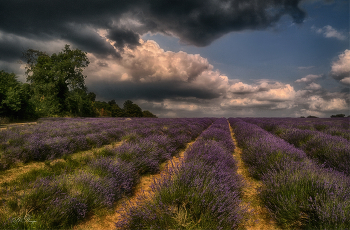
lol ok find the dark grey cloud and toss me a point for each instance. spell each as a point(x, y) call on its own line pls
point(10, 48)
point(346, 90)
point(88, 40)
point(102, 64)
point(196, 22)
point(153, 91)
point(123, 37)
point(200, 22)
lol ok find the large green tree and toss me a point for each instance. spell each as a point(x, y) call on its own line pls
point(58, 83)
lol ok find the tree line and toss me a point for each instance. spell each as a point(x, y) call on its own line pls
point(56, 88)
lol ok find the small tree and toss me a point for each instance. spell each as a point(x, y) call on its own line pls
point(147, 113)
point(102, 108)
point(311, 116)
point(116, 111)
point(131, 109)
point(338, 115)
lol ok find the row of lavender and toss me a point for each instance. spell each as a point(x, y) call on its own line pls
point(298, 192)
point(52, 139)
point(333, 151)
point(332, 126)
point(201, 192)
point(61, 200)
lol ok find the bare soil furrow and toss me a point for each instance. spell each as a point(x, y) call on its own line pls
point(259, 217)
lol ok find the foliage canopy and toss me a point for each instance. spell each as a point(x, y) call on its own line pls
point(56, 87)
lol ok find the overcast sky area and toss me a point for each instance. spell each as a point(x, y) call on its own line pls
point(195, 58)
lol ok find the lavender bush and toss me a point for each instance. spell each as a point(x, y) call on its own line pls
point(298, 192)
point(124, 174)
point(333, 151)
point(332, 126)
point(50, 199)
point(50, 140)
point(304, 195)
point(59, 202)
point(148, 152)
point(262, 150)
point(202, 192)
point(191, 196)
point(78, 186)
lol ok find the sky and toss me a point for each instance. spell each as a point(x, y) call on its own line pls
point(195, 58)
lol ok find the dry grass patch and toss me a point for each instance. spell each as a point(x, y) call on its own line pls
point(13, 173)
point(21, 168)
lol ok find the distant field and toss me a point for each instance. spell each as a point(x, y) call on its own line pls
point(78, 172)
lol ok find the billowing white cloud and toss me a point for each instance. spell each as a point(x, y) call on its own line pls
point(345, 80)
point(178, 84)
point(264, 90)
point(278, 92)
point(241, 88)
point(317, 103)
point(244, 102)
point(308, 78)
point(329, 32)
point(151, 63)
point(264, 94)
point(341, 68)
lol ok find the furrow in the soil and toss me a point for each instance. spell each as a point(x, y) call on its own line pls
point(259, 217)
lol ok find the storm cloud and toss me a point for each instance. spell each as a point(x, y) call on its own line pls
point(194, 22)
point(124, 66)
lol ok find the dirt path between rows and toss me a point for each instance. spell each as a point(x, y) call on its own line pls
point(21, 168)
point(259, 217)
point(5, 126)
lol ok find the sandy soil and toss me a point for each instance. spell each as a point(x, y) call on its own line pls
point(259, 217)
point(5, 126)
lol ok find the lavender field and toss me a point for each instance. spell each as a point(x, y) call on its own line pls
point(60, 173)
